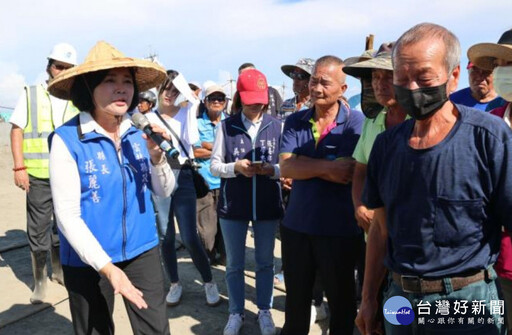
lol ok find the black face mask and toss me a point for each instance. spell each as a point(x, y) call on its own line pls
point(422, 102)
point(369, 104)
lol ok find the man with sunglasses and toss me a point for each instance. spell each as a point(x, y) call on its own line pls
point(36, 115)
point(207, 222)
point(480, 94)
point(300, 74)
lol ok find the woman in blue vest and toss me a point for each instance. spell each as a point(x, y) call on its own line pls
point(101, 174)
point(245, 156)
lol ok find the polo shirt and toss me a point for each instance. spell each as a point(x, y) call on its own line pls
point(207, 130)
point(464, 97)
point(445, 205)
point(317, 206)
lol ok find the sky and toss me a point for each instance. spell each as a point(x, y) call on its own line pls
point(208, 40)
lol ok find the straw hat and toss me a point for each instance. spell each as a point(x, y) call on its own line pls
point(104, 56)
point(484, 54)
point(381, 61)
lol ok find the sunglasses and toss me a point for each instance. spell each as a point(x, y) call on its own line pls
point(299, 75)
point(219, 99)
point(60, 67)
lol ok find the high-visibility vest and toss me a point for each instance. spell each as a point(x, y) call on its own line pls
point(39, 126)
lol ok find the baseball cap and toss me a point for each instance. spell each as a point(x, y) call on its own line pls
point(253, 88)
point(214, 88)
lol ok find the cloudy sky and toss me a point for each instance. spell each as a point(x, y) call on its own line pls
point(208, 40)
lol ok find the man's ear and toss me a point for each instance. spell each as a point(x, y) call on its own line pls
point(453, 80)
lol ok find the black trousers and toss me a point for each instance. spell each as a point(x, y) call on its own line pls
point(91, 297)
point(41, 228)
point(334, 258)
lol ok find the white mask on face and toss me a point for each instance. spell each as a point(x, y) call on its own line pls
point(502, 80)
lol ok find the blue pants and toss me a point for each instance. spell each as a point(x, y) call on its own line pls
point(183, 206)
point(234, 233)
point(483, 290)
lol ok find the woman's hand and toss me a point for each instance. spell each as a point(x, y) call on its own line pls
point(156, 154)
point(244, 166)
point(123, 285)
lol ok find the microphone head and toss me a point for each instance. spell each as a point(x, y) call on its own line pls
point(140, 120)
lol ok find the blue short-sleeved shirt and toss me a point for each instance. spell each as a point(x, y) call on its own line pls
point(317, 206)
point(207, 130)
point(445, 205)
point(464, 97)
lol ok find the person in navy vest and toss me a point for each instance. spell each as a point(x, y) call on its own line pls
point(245, 156)
point(319, 231)
point(102, 173)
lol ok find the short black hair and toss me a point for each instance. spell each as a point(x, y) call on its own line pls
point(84, 85)
point(245, 66)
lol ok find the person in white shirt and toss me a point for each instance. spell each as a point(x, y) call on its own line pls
point(176, 112)
point(102, 171)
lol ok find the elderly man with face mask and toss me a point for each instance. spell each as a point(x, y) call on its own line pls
point(441, 188)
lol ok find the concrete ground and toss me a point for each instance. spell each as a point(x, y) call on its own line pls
point(18, 316)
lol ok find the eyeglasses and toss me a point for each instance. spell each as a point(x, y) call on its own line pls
point(299, 75)
point(60, 67)
point(219, 99)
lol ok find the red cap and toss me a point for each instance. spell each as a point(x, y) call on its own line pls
point(470, 65)
point(253, 88)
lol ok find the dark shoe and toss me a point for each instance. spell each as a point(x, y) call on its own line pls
point(39, 273)
point(57, 275)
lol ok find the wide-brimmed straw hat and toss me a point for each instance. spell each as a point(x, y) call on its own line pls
point(484, 54)
point(104, 56)
point(381, 61)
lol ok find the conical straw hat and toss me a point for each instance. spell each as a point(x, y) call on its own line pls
point(104, 56)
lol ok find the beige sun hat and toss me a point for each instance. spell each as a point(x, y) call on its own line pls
point(381, 61)
point(104, 56)
point(484, 54)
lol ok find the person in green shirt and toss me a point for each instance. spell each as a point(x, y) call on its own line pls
point(380, 70)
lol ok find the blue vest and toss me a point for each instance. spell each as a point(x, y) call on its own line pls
point(115, 200)
point(259, 197)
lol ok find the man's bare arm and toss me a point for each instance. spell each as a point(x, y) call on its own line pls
point(375, 272)
point(302, 167)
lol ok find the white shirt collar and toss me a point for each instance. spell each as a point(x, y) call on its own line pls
point(88, 124)
point(246, 120)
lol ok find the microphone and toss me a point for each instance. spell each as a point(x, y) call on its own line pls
point(142, 123)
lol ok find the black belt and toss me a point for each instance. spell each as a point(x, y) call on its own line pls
point(415, 284)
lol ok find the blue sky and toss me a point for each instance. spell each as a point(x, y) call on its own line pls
point(208, 40)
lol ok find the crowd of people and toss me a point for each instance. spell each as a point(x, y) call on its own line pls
point(414, 191)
